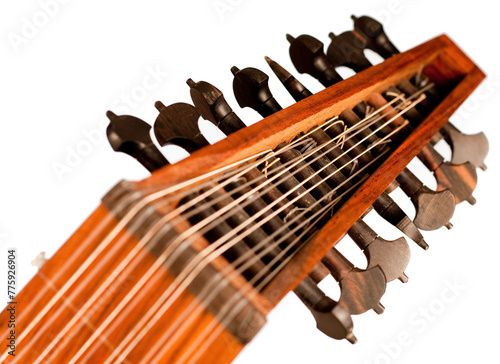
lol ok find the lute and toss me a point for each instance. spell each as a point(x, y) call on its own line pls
point(185, 265)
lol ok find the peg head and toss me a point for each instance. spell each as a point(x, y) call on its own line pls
point(347, 49)
point(131, 135)
point(308, 57)
point(178, 124)
point(467, 148)
point(461, 180)
point(376, 39)
point(333, 320)
point(392, 257)
point(433, 209)
point(251, 89)
point(361, 290)
point(211, 104)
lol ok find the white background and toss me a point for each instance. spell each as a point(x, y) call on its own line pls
point(58, 77)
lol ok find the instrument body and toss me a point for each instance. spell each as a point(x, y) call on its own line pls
point(49, 302)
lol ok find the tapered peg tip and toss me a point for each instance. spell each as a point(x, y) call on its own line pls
point(110, 114)
point(159, 105)
point(268, 60)
point(471, 200)
point(331, 35)
point(354, 17)
point(403, 278)
point(190, 82)
point(483, 167)
point(379, 309)
point(423, 244)
point(234, 70)
point(351, 338)
point(449, 225)
point(290, 38)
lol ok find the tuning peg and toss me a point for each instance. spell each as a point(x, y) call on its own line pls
point(178, 124)
point(308, 57)
point(212, 106)
point(376, 39)
point(387, 208)
point(465, 148)
point(131, 135)
point(433, 209)
point(293, 86)
point(459, 179)
point(360, 289)
point(251, 89)
point(392, 257)
point(346, 50)
point(331, 318)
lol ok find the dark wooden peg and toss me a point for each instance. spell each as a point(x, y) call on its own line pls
point(212, 106)
point(308, 57)
point(347, 49)
point(376, 39)
point(178, 124)
point(361, 290)
point(466, 147)
point(293, 86)
point(251, 89)
point(131, 135)
point(332, 319)
point(461, 180)
point(391, 212)
point(391, 256)
point(434, 209)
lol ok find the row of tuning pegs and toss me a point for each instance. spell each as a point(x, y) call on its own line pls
point(361, 289)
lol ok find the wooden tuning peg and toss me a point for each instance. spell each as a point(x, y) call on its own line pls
point(392, 257)
point(178, 124)
point(465, 148)
point(308, 57)
point(461, 179)
point(434, 209)
point(361, 290)
point(251, 89)
point(331, 318)
point(131, 135)
point(292, 85)
point(212, 106)
point(347, 49)
point(376, 39)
